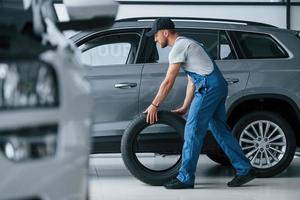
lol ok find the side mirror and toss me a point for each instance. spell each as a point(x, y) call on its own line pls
point(88, 14)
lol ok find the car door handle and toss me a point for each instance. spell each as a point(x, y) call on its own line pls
point(231, 81)
point(125, 85)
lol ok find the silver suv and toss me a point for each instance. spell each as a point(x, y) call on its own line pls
point(260, 62)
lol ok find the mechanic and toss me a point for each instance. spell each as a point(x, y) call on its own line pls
point(205, 99)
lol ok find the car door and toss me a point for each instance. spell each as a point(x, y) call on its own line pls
point(115, 80)
point(155, 68)
point(219, 47)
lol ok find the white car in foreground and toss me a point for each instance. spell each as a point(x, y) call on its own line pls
point(45, 103)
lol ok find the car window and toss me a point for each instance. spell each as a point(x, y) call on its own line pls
point(115, 53)
point(153, 53)
point(208, 38)
point(163, 54)
point(258, 46)
point(226, 51)
point(110, 50)
point(215, 42)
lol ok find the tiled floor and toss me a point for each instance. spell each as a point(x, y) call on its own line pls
point(110, 180)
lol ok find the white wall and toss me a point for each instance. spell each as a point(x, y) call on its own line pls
point(274, 15)
point(295, 16)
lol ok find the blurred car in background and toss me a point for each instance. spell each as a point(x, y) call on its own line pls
point(45, 103)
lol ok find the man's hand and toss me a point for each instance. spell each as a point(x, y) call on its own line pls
point(180, 111)
point(151, 114)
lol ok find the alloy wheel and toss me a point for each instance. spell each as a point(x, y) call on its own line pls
point(264, 143)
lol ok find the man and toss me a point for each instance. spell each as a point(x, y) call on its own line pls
point(205, 99)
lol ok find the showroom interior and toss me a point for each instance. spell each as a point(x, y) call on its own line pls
point(80, 79)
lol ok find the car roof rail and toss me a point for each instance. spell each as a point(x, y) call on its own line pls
point(196, 19)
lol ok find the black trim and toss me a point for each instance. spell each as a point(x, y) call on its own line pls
point(204, 3)
point(288, 14)
point(106, 144)
point(236, 45)
point(218, 47)
point(15, 17)
point(208, 3)
point(162, 143)
point(264, 96)
point(232, 45)
point(232, 48)
point(138, 51)
point(103, 33)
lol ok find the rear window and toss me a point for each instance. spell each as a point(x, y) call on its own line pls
point(259, 46)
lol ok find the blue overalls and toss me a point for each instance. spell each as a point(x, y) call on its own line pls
point(208, 110)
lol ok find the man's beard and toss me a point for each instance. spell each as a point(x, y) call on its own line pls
point(164, 44)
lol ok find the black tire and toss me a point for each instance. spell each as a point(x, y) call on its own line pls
point(219, 158)
point(287, 132)
point(131, 161)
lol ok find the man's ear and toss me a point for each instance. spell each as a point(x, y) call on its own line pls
point(166, 33)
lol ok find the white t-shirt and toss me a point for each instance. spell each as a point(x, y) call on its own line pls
point(192, 56)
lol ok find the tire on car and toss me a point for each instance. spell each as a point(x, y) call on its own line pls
point(267, 140)
point(130, 159)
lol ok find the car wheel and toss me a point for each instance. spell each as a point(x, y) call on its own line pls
point(148, 157)
point(267, 140)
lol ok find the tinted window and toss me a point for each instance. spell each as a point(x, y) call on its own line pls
point(226, 51)
point(259, 46)
point(209, 39)
point(109, 50)
point(163, 54)
point(216, 44)
point(153, 53)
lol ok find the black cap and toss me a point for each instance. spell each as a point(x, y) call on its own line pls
point(159, 24)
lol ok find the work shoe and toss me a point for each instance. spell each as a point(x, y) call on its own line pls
point(239, 180)
point(176, 184)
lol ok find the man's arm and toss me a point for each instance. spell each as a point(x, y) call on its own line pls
point(163, 92)
point(190, 89)
point(167, 83)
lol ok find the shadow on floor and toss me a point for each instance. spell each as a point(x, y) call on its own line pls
point(228, 171)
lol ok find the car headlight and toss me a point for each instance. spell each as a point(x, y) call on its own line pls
point(27, 84)
point(29, 144)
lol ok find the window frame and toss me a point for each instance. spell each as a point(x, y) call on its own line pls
point(192, 29)
point(98, 35)
point(232, 48)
